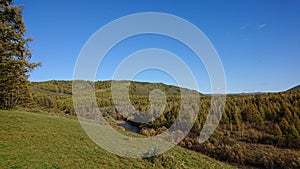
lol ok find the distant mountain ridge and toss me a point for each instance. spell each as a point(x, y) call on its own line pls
point(295, 88)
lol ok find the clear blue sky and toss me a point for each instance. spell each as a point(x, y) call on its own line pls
point(257, 41)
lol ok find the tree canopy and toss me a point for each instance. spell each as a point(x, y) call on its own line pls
point(14, 56)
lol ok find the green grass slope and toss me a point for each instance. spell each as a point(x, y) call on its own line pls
point(31, 140)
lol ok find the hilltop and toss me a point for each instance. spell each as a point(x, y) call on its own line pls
point(136, 88)
point(295, 88)
point(56, 96)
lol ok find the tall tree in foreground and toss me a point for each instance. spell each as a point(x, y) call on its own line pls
point(14, 57)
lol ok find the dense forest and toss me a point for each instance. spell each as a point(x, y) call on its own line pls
point(260, 130)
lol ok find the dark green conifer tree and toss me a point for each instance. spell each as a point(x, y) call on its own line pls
point(14, 57)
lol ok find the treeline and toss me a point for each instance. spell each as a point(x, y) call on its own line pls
point(276, 114)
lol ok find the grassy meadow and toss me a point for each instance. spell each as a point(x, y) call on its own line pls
point(32, 140)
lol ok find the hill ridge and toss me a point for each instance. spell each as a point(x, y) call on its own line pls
point(295, 88)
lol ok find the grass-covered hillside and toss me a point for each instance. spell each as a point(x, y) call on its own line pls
point(31, 140)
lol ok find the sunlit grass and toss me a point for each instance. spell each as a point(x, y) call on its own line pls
point(30, 140)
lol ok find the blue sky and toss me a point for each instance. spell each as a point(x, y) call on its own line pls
point(257, 41)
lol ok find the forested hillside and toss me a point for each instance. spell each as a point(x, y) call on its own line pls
point(259, 130)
